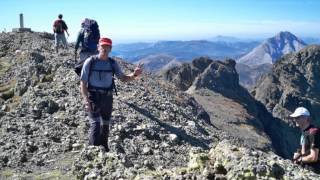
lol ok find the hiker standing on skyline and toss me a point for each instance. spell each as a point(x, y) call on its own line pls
point(308, 155)
point(88, 37)
point(59, 27)
point(96, 88)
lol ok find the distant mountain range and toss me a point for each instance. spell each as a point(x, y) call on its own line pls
point(224, 39)
point(183, 50)
point(229, 39)
point(155, 63)
point(272, 49)
point(254, 58)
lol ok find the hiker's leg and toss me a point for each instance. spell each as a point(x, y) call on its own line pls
point(106, 110)
point(56, 41)
point(94, 131)
point(94, 119)
point(64, 41)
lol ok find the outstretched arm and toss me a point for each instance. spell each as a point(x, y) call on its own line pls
point(137, 72)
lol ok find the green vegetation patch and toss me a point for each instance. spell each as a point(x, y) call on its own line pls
point(6, 174)
point(51, 175)
point(7, 90)
point(47, 78)
point(56, 174)
point(4, 65)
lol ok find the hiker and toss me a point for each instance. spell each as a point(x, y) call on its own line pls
point(88, 37)
point(96, 88)
point(308, 155)
point(59, 27)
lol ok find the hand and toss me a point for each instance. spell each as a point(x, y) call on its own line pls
point(87, 105)
point(296, 157)
point(138, 70)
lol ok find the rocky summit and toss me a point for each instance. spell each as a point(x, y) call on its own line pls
point(158, 129)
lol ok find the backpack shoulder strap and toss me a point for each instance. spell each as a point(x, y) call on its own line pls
point(92, 60)
point(113, 62)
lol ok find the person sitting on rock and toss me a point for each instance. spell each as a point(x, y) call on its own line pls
point(97, 88)
point(308, 155)
point(59, 27)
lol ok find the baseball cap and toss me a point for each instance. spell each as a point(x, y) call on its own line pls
point(105, 41)
point(300, 111)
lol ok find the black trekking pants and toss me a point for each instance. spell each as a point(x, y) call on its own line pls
point(99, 117)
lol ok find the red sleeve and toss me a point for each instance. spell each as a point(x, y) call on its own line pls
point(315, 138)
point(55, 22)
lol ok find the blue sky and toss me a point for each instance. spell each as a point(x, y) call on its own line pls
point(147, 20)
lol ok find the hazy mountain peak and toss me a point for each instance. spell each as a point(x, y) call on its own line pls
point(273, 48)
point(285, 34)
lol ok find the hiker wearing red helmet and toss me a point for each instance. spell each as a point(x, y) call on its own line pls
point(97, 86)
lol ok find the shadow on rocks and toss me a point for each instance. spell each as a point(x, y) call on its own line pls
point(181, 133)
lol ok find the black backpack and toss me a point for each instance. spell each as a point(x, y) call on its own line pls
point(79, 65)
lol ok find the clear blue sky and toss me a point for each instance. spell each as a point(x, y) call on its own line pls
point(143, 20)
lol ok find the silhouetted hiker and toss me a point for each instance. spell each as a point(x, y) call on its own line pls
point(97, 83)
point(308, 155)
point(88, 37)
point(59, 27)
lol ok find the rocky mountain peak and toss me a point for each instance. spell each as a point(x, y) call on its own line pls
point(204, 72)
point(218, 76)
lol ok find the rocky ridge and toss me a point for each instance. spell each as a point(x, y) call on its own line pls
point(155, 127)
point(42, 118)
